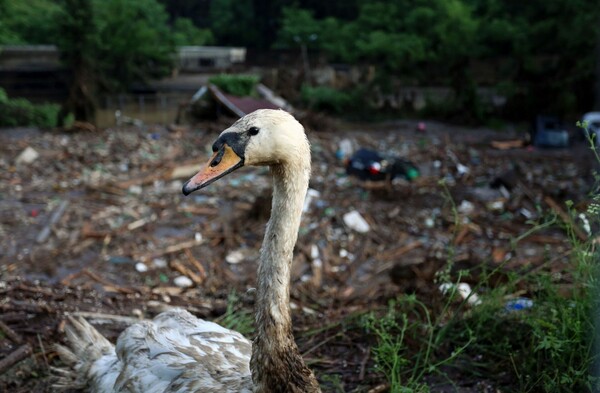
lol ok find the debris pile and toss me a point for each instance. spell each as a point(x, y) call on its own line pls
point(95, 222)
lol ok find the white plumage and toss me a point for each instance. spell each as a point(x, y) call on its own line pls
point(179, 353)
point(176, 352)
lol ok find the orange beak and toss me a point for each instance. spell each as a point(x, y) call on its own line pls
point(220, 164)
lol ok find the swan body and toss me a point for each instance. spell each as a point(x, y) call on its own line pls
point(177, 352)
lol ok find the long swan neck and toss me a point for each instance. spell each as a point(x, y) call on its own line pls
point(275, 356)
point(289, 191)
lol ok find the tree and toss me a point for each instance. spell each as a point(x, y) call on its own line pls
point(233, 22)
point(30, 22)
point(134, 42)
point(185, 33)
point(78, 44)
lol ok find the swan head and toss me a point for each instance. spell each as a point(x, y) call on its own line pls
point(263, 137)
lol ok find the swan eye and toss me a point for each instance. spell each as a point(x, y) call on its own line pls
point(253, 130)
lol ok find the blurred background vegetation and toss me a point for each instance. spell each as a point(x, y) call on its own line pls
point(543, 56)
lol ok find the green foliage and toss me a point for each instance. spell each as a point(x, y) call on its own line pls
point(238, 85)
point(134, 41)
point(185, 33)
point(545, 48)
point(21, 112)
point(236, 318)
point(327, 99)
point(394, 356)
point(31, 22)
point(233, 22)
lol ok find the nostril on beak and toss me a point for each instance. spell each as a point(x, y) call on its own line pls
point(217, 159)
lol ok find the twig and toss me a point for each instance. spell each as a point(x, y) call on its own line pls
point(56, 215)
point(106, 283)
point(196, 263)
point(395, 254)
point(43, 351)
point(23, 352)
point(181, 268)
point(380, 388)
point(101, 318)
point(175, 248)
point(318, 345)
point(11, 334)
point(363, 364)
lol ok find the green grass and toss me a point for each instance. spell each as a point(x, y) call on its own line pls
point(236, 317)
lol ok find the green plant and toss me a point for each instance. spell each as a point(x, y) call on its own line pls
point(238, 85)
point(327, 99)
point(21, 112)
point(235, 317)
point(405, 365)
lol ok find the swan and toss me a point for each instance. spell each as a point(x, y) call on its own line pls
point(177, 352)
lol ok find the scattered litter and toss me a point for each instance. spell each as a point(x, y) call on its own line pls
point(466, 207)
point(586, 223)
point(27, 156)
point(159, 263)
point(235, 257)
point(120, 260)
point(183, 282)
point(429, 222)
point(518, 304)
point(356, 222)
point(135, 189)
point(141, 267)
point(496, 205)
point(310, 195)
point(370, 165)
point(526, 213)
point(345, 149)
point(506, 145)
point(463, 289)
point(462, 169)
point(314, 252)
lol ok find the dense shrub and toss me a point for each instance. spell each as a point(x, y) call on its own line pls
point(238, 85)
point(21, 112)
point(327, 99)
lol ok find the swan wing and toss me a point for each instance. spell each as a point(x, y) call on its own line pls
point(177, 352)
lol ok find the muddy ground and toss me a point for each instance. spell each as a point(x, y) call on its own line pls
point(97, 225)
